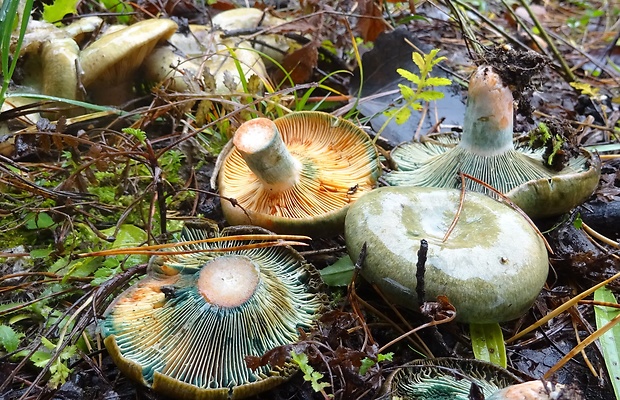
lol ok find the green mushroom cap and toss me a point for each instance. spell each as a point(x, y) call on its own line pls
point(185, 328)
point(491, 267)
point(486, 151)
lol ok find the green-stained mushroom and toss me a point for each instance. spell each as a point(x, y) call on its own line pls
point(185, 329)
point(457, 379)
point(491, 267)
point(486, 152)
point(298, 173)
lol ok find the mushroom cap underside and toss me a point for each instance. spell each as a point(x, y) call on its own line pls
point(175, 332)
point(520, 174)
point(447, 378)
point(339, 164)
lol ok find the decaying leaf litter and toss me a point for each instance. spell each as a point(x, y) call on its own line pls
point(71, 186)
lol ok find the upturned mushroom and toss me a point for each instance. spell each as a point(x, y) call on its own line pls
point(491, 266)
point(486, 152)
point(185, 329)
point(298, 173)
point(451, 378)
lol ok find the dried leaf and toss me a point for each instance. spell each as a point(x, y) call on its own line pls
point(300, 64)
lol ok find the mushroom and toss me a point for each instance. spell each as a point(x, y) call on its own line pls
point(251, 21)
point(486, 151)
point(110, 63)
point(491, 267)
point(298, 173)
point(453, 378)
point(203, 61)
point(186, 327)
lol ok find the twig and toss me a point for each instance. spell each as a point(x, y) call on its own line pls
point(421, 271)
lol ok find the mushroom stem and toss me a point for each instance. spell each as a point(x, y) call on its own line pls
point(487, 129)
point(260, 144)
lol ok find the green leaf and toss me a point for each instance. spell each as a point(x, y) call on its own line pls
point(487, 341)
point(126, 236)
point(58, 9)
point(60, 373)
point(119, 7)
point(367, 363)
point(610, 340)
point(137, 133)
point(9, 339)
point(339, 273)
point(310, 375)
point(428, 59)
point(41, 253)
point(40, 358)
point(578, 222)
point(430, 95)
point(39, 221)
point(385, 357)
point(402, 115)
point(437, 81)
point(47, 343)
point(438, 60)
point(418, 60)
point(407, 92)
point(410, 76)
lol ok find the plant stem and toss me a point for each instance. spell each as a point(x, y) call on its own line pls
point(8, 13)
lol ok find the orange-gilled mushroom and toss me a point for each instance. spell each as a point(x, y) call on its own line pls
point(186, 328)
point(298, 173)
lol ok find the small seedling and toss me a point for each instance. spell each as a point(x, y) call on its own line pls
point(368, 363)
point(310, 375)
point(413, 97)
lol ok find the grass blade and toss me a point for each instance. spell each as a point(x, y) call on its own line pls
point(610, 340)
point(487, 341)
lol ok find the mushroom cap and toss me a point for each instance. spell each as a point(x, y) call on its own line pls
point(486, 152)
point(189, 57)
point(239, 19)
point(186, 327)
point(114, 58)
point(339, 163)
point(491, 267)
point(447, 378)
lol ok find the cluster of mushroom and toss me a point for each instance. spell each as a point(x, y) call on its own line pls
point(70, 63)
point(315, 174)
point(283, 190)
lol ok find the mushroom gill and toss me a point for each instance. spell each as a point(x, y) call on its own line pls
point(297, 173)
point(486, 152)
point(186, 328)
